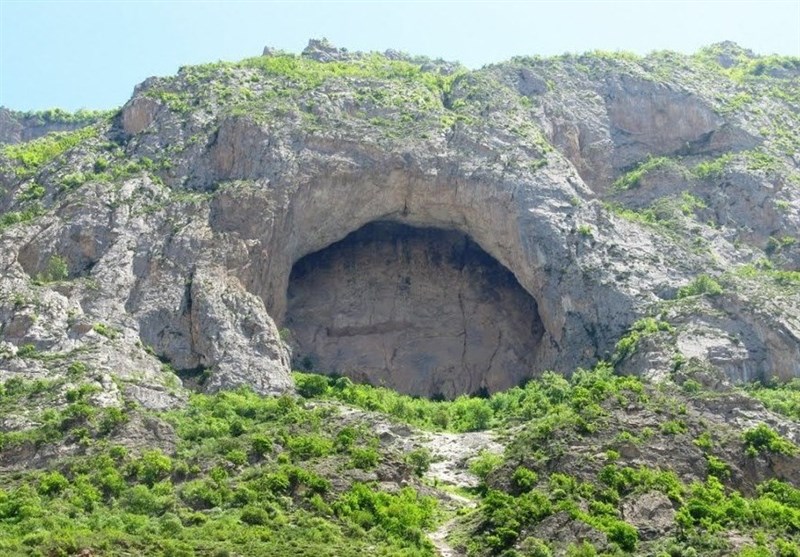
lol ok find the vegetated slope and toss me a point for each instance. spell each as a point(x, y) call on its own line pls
point(649, 207)
point(599, 464)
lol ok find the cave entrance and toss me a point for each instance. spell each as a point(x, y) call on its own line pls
point(425, 311)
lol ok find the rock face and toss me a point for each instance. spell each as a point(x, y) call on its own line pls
point(16, 127)
point(169, 235)
point(419, 310)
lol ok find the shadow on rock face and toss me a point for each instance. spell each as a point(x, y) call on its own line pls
point(422, 310)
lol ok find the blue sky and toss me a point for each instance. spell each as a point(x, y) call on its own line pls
point(90, 54)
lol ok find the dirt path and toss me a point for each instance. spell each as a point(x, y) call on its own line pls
point(451, 453)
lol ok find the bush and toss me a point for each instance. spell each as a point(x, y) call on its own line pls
point(703, 284)
point(237, 457)
point(524, 479)
point(534, 547)
point(718, 467)
point(585, 549)
point(633, 178)
point(673, 427)
point(31, 155)
point(364, 458)
point(485, 463)
point(420, 460)
point(105, 330)
point(304, 447)
point(310, 386)
point(623, 534)
point(261, 445)
point(152, 467)
point(763, 438)
point(140, 499)
point(52, 483)
point(254, 516)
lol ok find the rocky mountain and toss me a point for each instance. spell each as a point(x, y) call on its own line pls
point(410, 223)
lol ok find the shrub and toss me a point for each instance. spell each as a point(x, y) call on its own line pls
point(534, 547)
point(585, 549)
point(633, 178)
point(152, 467)
point(364, 458)
point(254, 516)
point(304, 447)
point(763, 438)
point(623, 534)
point(310, 386)
point(673, 427)
point(261, 445)
point(53, 483)
point(524, 479)
point(202, 494)
point(420, 460)
point(140, 499)
point(105, 330)
point(703, 284)
point(712, 168)
point(111, 420)
point(237, 457)
point(485, 463)
point(32, 192)
point(26, 351)
point(471, 414)
point(31, 155)
point(717, 467)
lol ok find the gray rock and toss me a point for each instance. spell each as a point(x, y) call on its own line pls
point(189, 258)
point(651, 513)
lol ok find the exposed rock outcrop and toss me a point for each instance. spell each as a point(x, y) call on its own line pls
point(171, 234)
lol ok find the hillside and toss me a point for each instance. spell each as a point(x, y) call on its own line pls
point(586, 266)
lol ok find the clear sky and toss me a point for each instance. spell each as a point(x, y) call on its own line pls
point(90, 54)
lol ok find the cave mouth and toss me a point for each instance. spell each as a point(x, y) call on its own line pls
point(424, 311)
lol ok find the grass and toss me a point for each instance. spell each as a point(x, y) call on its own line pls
point(30, 156)
point(633, 178)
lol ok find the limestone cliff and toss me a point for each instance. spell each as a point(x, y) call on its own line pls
point(597, 187)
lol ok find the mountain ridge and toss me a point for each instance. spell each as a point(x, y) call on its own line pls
point(647, 209)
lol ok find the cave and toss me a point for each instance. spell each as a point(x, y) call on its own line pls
point(425, 311)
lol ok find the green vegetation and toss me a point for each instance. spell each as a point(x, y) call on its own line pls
point(627, 345)
point(782, 398)
point(282, 475)
point(703, 284)
point(30, 156)
point(633, 178)
point(311, 73)
point(16, 217)
point(60, 116)
point(763, 270)
point(531, 483)
point(762, 438)
point(57, 270)
point(667, 215)
point(691, 203)
point(742, 65)
point(246, 479)
point(761, 160)
point(465, 413)
point(105, 330)
point(713, 168)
